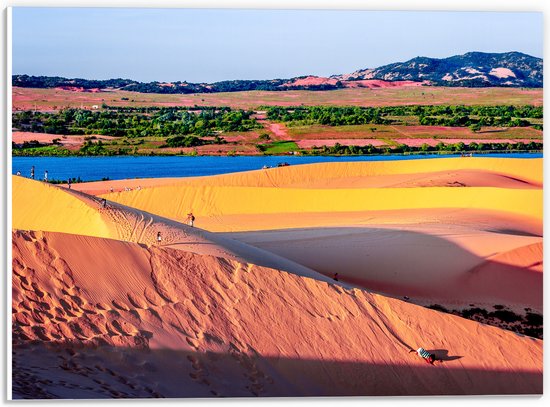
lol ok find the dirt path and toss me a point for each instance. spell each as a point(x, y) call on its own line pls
point(277, 131)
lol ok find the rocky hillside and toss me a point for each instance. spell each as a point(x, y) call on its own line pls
point(476, 69)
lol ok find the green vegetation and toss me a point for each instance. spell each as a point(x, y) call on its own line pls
point(429, 115)
point(136, 122)
point(338, 149)
point(278, 147)
point(530, 324)
point(146, 129)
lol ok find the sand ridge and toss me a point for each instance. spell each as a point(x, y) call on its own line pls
point(50, 208)
point(157, 325)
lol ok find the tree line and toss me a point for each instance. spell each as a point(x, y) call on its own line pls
point(429, 115)
point(178, 87)
point(133, 122)
point(441, 147)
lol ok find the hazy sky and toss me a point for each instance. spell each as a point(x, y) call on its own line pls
point(213, 45)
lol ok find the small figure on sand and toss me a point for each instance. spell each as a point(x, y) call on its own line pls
point(424, 354)
point(335, 277)
point(69, 183)
point(46, 176)
point(103, 203)
point(159, 238)
point(32, 172)
point(190, 219)
point(18, 173)
point(111, 189)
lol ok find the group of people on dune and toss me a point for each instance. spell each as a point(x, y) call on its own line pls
point(190, 221)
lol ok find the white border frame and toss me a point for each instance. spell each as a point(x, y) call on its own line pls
point(389, 5)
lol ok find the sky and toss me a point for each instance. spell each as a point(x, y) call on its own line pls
point(209, 45)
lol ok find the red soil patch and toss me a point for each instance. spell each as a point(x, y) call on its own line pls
point(47, 99)
point(78, 89)
point(311, 81)
point(20, 137)
point(366, 83)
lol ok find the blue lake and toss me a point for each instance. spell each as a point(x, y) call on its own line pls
point(96, 168)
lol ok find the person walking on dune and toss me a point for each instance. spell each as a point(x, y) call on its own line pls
point(190, 219)
point(32, 172)
point(424, 354)
point(69, 183)
point(159, 238)
point(46, 176)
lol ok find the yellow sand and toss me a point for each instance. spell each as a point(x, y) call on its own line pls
point(40, 206)
point(287, 191)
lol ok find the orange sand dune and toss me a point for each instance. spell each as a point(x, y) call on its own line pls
point(43, 207)
point(95, 317)
point(415, 229)
point(429, 263)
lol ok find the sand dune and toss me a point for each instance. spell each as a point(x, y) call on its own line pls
point(430, 264)
point(95, 317)
point(225, 203)
point(101, 310)
point(39, 206)
point(518, 173)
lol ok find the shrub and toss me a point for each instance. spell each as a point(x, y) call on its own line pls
point(438, 307)
point(505, 315)
point(533, 319)
point(468, 313)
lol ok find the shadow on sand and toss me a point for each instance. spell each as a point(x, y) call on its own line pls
point(77, 371)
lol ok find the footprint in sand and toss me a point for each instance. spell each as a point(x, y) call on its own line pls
point(120, 305)
point(102, 306)
point(153, 297)
point(125, 328)
point(136, 301)
point(193, 342)
point(23, 318)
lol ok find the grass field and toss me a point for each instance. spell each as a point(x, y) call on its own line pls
point(378, 131)
point(279, 147)
point(51, 99)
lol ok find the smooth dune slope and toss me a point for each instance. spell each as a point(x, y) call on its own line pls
point(503, 185)
point(38, 206)
point(95, 317)
point(528, 172)
point(176, 201)
point(429, 263)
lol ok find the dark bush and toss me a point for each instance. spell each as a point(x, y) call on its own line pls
point(468, 313)
point(533, 319)
point(438, 307)
point(505, 315)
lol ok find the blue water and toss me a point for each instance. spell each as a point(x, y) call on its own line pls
point(96, 168)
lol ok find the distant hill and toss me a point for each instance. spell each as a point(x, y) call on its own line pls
point(473, 69)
